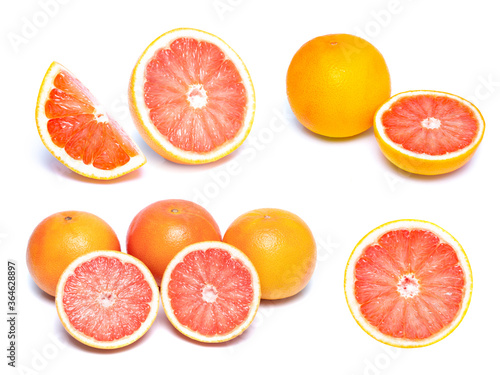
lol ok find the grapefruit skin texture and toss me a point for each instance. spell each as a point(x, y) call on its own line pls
point(140, 117)
point(280, 245)
point(61, 238)
point(418, 165)
point(368, 239)
point(162, 229)
point(335, 83)
point(124, 293)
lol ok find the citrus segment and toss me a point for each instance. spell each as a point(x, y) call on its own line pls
point(408, 283)
point(106, 299)
point(428, 132)
point(210, 291)
point(76, 130)
point(191, 97)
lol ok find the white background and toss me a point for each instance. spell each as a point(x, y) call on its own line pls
point(341, 188)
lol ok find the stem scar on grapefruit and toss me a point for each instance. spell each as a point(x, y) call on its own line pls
point(191, 97)
point(76, 130)
point(428, 132)
point(162, 229)
point(408, 283)
point(61, 238)
point(106, 299)
point(210, 291)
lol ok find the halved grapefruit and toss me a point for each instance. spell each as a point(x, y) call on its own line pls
point(191, 97)
point(408, 283)
point(428, 132)
point(107, 299)
point(77, 131)
point(210, 291)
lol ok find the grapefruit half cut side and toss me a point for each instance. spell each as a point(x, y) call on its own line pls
point(76, 130)
point(408, 283)
point(107, 299)
point(428, 132)
point(191, 97)
point(210, 291)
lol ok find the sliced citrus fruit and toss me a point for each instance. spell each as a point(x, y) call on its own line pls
point(428, 132)
point(408, 283)
point(191, 97)
point(107, 299)
point(77, 131)
point(210, 291)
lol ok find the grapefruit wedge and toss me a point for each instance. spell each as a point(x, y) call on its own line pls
point(191, 97)
point(210, 291)
point(77, 131)
point(428, 132)
point(107, 299)
point(408, 283)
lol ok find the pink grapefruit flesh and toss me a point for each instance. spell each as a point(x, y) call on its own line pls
point(107, 300)
point(196, 97)
point(430, 124)
point(211, 293)
point(408, 286)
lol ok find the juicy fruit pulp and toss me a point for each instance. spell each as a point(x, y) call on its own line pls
point(78, 132)
point(431, 125)
point(107, 301)
point(409, 284)
point(210, 294)
point(195, 96)
point(191, 97)
point(428, 132)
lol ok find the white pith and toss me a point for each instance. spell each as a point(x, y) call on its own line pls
point(77, 166)
point(137, 96)
point(124, 341)
point(430, 124)
point(197, 96)
point(408, 290)
point(203, 246)
point(372, 237)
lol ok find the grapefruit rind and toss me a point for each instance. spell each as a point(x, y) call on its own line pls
point(372, 237)
point(166, 300)
point(423, 163)
point(139, 110)
point(127, 340)
point(78, 166)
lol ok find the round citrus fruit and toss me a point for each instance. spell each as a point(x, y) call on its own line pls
point(191, 97)
point(428, 132)
point(106, 299)
point(77, 131)
point(408, 283)
point(281, 247)
point(335, 83)
point(164, 228)
point(61, 238)
point(210, 291)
